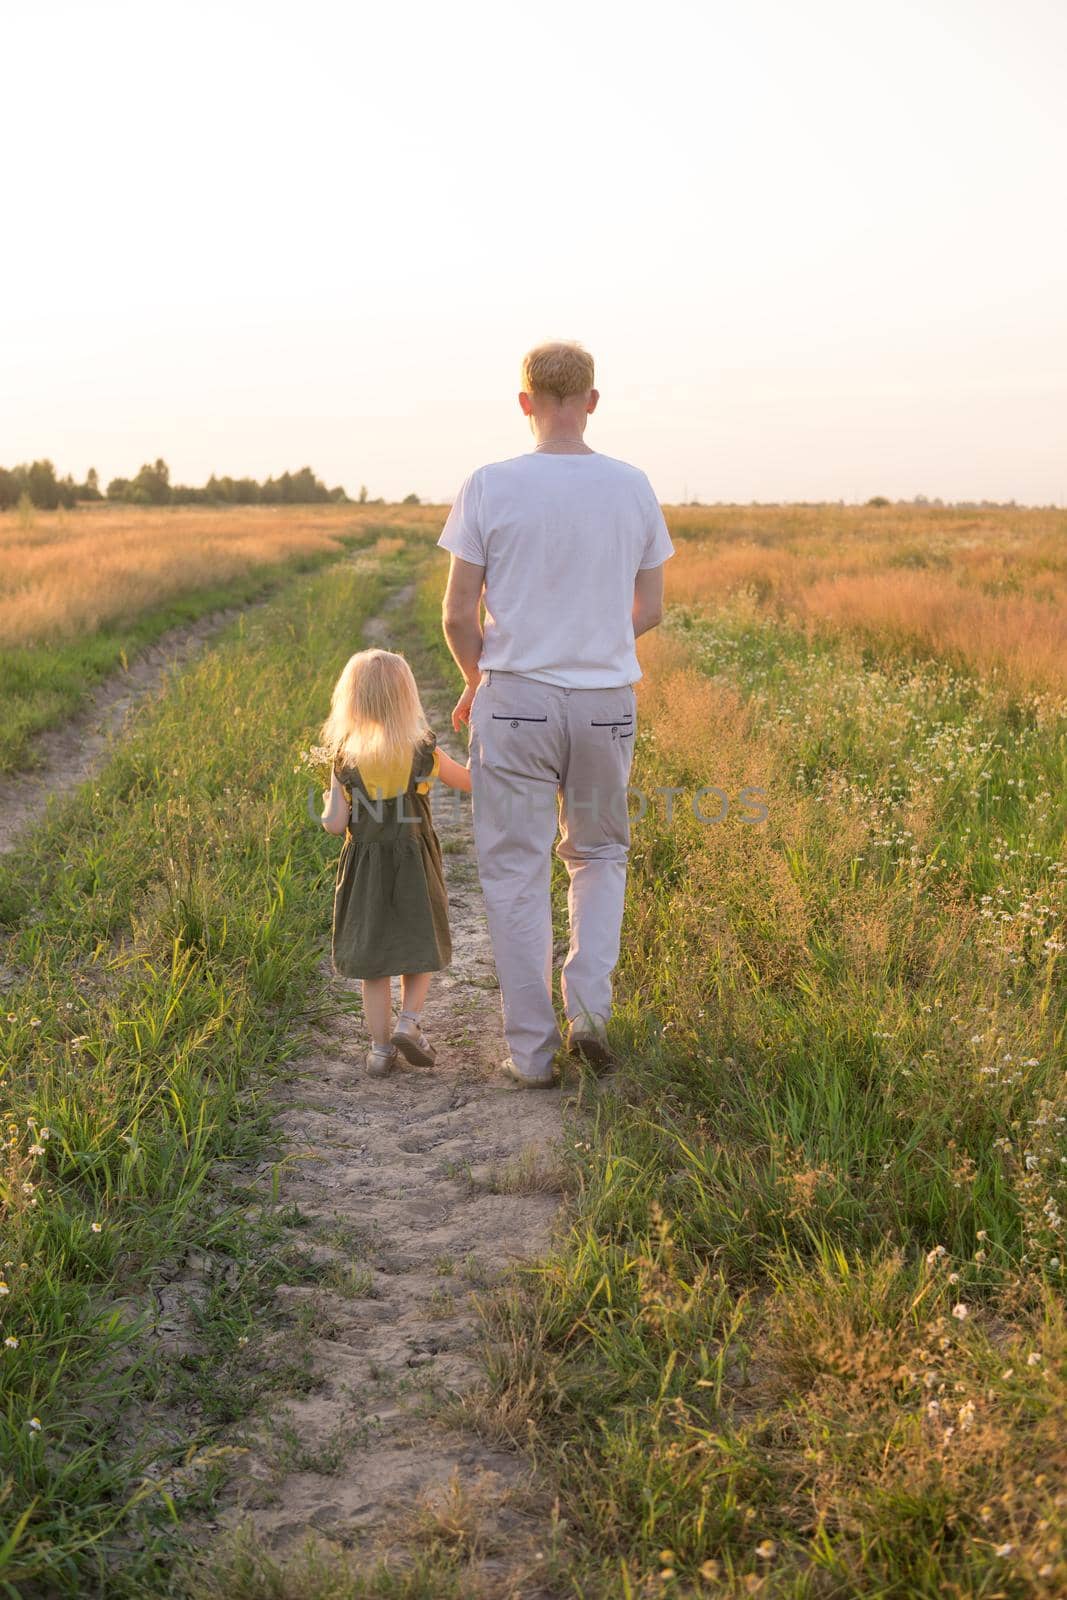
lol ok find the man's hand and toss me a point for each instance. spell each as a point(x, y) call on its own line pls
point(461, 716)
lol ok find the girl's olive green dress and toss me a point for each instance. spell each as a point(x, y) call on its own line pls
point(390, 906)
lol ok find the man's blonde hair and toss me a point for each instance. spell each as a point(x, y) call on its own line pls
point(559, 369)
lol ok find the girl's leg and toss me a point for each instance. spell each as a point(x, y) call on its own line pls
point(378, 1009)
point(414, 987)
point(409, 1037)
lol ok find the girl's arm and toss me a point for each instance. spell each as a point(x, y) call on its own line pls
point(452, 773)
point(335, 807)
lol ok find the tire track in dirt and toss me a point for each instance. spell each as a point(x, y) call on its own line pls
point(429, 1185)
point(73, 752)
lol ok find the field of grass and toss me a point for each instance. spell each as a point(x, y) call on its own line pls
point(161, 937)
point(806, 1333)
point(81, 592)
point(984, 589)
point(803, 1334)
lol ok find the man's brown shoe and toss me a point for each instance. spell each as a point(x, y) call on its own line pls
point(545, 1080)
point(589, 1041)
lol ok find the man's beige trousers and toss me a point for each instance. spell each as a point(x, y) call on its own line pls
point(545, 759)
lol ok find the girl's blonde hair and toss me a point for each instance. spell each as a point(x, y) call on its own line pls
point(376, 715)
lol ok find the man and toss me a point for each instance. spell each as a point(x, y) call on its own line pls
point(566, 547)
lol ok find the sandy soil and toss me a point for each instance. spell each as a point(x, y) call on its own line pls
point(433, 1183)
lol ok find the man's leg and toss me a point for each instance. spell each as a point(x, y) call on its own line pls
point(516, 728)
point(595, 844)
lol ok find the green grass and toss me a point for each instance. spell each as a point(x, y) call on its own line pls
point(842, 1114)
point(41, 686)
point(247, 1571)
point(162, 933)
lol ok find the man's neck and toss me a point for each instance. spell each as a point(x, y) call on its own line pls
point(569, 444)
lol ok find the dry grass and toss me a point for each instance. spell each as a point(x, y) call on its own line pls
point(1015, 639)
point(533, 1171)
point(986, 589)
point(71, 572)
point(805, 1334)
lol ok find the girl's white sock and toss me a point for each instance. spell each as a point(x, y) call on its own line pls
point(413, 1015)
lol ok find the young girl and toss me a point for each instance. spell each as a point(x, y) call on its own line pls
point(390, 908)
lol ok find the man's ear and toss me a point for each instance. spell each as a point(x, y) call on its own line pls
point(524, 403)
point(594, 396)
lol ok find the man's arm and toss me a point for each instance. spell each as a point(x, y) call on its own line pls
point(648, 599)
point(462, 620)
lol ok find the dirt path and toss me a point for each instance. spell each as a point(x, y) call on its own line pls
point(72, 753)
point(424, 1187)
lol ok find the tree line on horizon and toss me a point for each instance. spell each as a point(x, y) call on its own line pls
point(37, 483)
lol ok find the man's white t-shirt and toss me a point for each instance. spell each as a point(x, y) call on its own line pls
point(561, 538)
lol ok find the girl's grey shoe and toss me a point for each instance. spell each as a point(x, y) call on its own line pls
point(543, 1081)
point(412, 1043)
point(381, 1059)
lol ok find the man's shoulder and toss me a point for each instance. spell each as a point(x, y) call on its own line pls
point(625, 469)
point(506, 464)
point(476, 479)
point(531, 460)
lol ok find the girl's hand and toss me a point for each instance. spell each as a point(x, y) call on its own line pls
point(335, 808)
point(452, 773)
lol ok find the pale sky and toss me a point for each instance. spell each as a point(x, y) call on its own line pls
point(818, 250)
